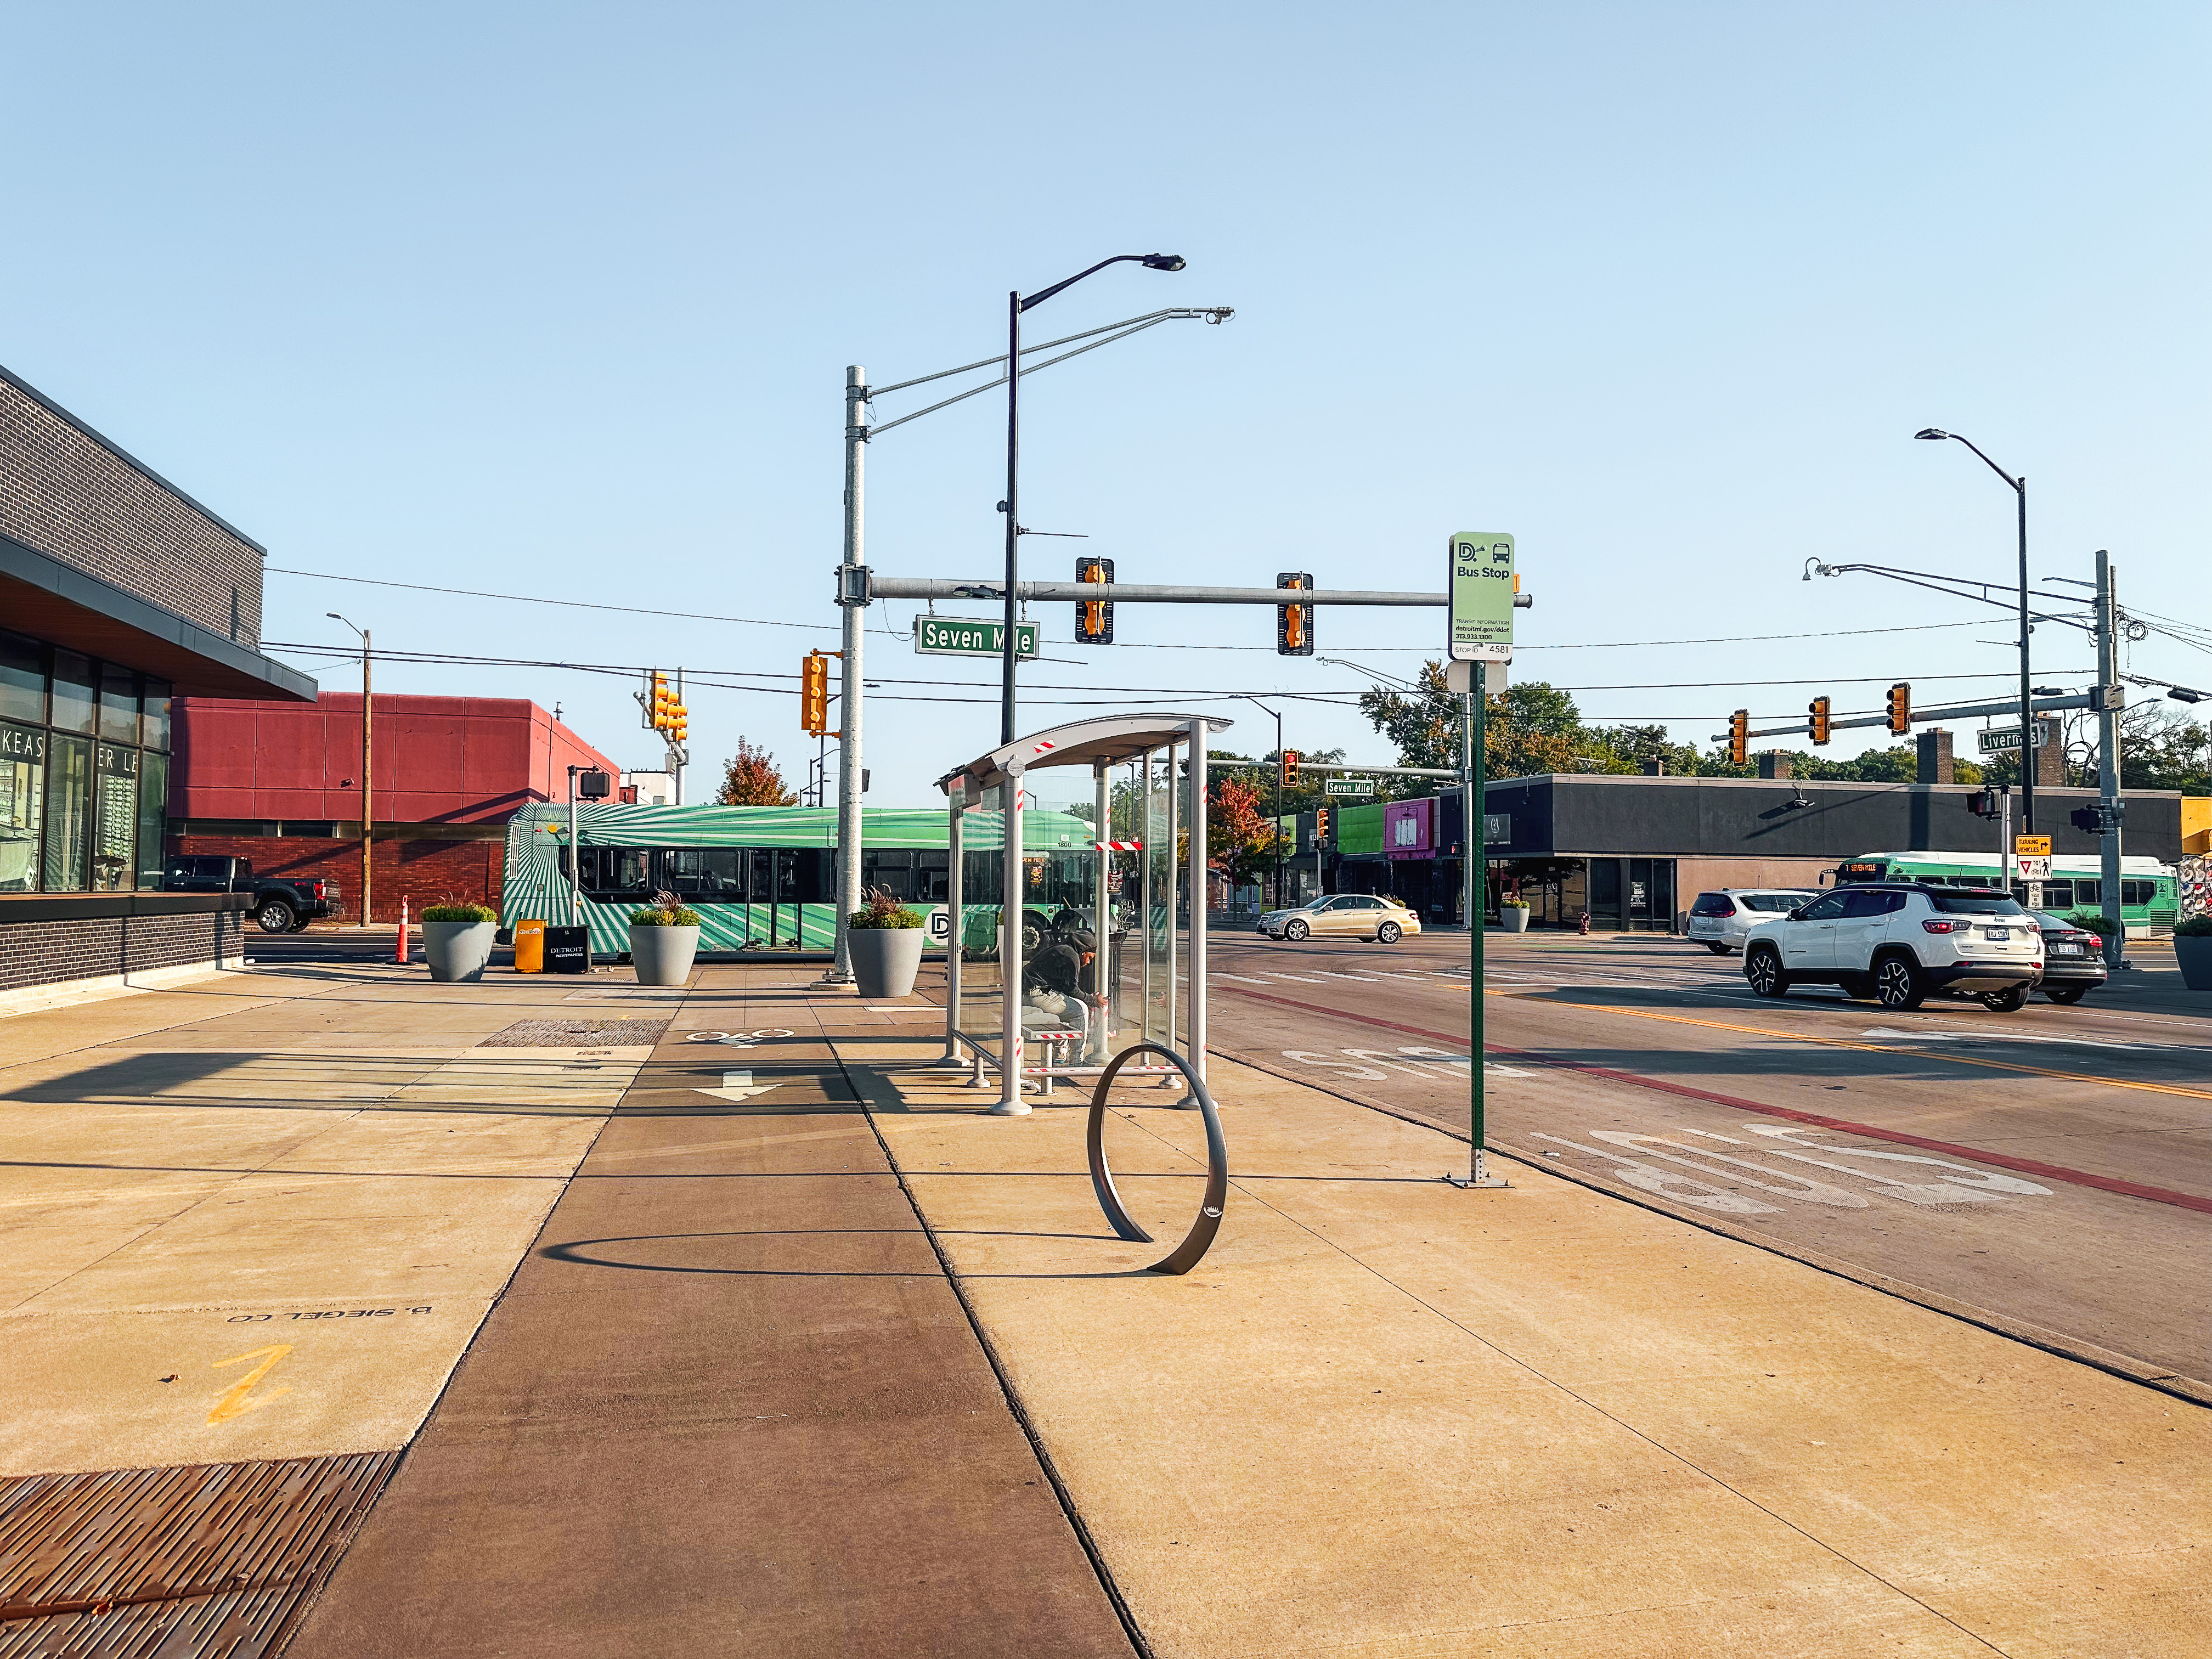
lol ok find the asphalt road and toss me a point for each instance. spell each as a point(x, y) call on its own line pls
point(2049, 1169)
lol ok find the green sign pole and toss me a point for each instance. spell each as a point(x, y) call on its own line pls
point(1480, 630)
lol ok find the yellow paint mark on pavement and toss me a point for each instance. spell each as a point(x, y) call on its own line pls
point(241, 1399)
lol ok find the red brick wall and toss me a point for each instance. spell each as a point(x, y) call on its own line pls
point(420, 870)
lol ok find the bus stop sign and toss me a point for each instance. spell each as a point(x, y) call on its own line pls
point(1482, 584)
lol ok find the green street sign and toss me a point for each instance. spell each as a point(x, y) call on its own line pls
point(2005, 740)
point(1348, 786)
point(1481, 589)
point(970, 636)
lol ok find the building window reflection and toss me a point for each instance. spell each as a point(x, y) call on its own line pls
point(67, 867)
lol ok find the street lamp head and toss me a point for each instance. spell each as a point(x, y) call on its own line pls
point(1813, 567)
point(1162, 261)
point(1935, 433)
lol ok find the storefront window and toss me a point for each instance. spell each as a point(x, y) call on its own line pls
point(156, 724)
point(115, 839)
point(69, 810)
point(73, 693)
point(119, 704)
point(22, 804)
point(153, 816)
point(22, 679)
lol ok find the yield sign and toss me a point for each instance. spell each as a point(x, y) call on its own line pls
point(738, 1086)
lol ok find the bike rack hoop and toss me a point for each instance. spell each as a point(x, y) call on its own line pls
point(1187, 1254)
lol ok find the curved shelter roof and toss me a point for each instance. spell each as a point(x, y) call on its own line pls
point(1108, 738)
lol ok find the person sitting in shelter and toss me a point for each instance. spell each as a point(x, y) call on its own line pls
point(1062, 980)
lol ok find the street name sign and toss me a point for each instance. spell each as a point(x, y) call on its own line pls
point(1481, 587)
point(1349, 786)
point(2005, 738)
point(970, 636)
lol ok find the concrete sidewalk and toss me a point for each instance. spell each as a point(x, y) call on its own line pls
point(632, 1343)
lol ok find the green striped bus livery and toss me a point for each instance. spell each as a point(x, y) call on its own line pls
point(2150, 895)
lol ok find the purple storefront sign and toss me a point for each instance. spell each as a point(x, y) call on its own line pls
point(1406, 829)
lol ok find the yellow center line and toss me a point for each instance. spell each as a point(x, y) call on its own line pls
point(1888, 1048)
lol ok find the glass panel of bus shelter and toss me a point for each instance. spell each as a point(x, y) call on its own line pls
point(1162, 960)
point(1066, 986)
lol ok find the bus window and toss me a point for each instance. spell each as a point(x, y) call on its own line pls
point(2138, 892)
point(711, 875)
point(617, 872)
point(980, 878)
point(890, 867)
point(2058, 895)
point(804, 875)
point(931, 867)
point(2089, 892)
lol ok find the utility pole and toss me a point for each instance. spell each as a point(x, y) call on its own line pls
point(852, 596)
point(367, 792)
point(2109, 807)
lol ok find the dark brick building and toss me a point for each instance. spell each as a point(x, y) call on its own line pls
point(119, 593)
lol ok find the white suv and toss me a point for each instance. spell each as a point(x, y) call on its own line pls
point(1719, 921)
point(1897, 943)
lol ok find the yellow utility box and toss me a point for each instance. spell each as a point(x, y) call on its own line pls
point(529, 947)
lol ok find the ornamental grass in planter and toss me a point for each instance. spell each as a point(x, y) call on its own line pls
point(664, 939)
point(1513, 916)
point(885, 941)
point(457, 940)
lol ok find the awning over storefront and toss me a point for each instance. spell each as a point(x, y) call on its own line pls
point(43, 596)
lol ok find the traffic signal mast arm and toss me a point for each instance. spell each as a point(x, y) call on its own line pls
point(2109, 696)
point(1221, 763)
point(916, 587)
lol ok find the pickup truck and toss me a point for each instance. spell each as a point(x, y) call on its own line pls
point(279, 906)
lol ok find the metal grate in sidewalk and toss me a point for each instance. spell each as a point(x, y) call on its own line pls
point(578, 1034)
point(200, 1562)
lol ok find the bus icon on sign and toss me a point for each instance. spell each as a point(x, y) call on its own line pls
point(1501, 553)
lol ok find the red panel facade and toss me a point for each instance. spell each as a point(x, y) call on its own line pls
point(438, 760)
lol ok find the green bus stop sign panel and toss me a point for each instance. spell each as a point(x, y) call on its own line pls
point(1481, 610)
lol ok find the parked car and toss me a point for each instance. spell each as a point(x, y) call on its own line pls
point(1363, 915)
point(1722, 921)
point(2073, 959)
point(280, 905)
point(1897, 943)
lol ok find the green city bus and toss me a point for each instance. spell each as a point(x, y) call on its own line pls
point(2151, 893)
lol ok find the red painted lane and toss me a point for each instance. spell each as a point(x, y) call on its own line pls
point(1999, 1160)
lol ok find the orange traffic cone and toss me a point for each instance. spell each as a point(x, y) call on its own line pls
point(399, 953)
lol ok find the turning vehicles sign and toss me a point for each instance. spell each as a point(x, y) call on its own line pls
point(1482, 588)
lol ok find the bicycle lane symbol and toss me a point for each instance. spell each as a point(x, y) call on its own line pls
point(737, 1039)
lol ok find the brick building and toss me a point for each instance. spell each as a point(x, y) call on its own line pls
point(279, 783)
point(118, 593)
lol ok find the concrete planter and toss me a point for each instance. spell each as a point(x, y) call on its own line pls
point(662, 956)
point(2194, 952)
point(457, 950)
point(885, 959)
point(1513, 919)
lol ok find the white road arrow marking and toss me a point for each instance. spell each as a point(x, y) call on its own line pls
point(738, 1086)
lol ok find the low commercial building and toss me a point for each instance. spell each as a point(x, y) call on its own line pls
point(1634, 850)
point(119, 594)
point(279, 783)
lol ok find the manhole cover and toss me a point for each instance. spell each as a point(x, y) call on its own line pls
point(578, 1034)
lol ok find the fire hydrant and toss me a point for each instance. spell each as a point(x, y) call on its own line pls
point(1585, 923)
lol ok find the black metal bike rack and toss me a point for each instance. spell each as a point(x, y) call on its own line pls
point(1187, 1254)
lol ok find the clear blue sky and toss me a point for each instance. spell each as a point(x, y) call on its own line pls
point(553, 298)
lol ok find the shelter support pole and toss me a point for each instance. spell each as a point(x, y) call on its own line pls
point(1145, 894)
point(953, 858)
point(1010, 1104)
point(1197, 865)
point(1175, 785)
point(1102, 905)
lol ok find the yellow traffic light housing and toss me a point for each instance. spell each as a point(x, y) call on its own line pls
point(1294, 633)
point(1740, 738)
point(1289, 776)
point(1816, 720)
point(1094, 618)
point(1321, 824)
point(814, 693)
point(1900, 708)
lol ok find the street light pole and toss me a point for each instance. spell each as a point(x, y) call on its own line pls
point(1277, 712)
point(1016, 305)
point(2027, 756)
point(367, 825)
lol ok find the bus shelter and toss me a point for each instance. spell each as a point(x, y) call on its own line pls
point(1020, 1000)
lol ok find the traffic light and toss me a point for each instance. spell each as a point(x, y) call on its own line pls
point(1321, 824)
point(1294, 633)
point(1816, 720)
point(1901, 708)
point(1983, 804)
point(814, 693)
point(1290, 778)
point(657, 714)
point(679, 722)
point(1094, 618)
point(1740, 738)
